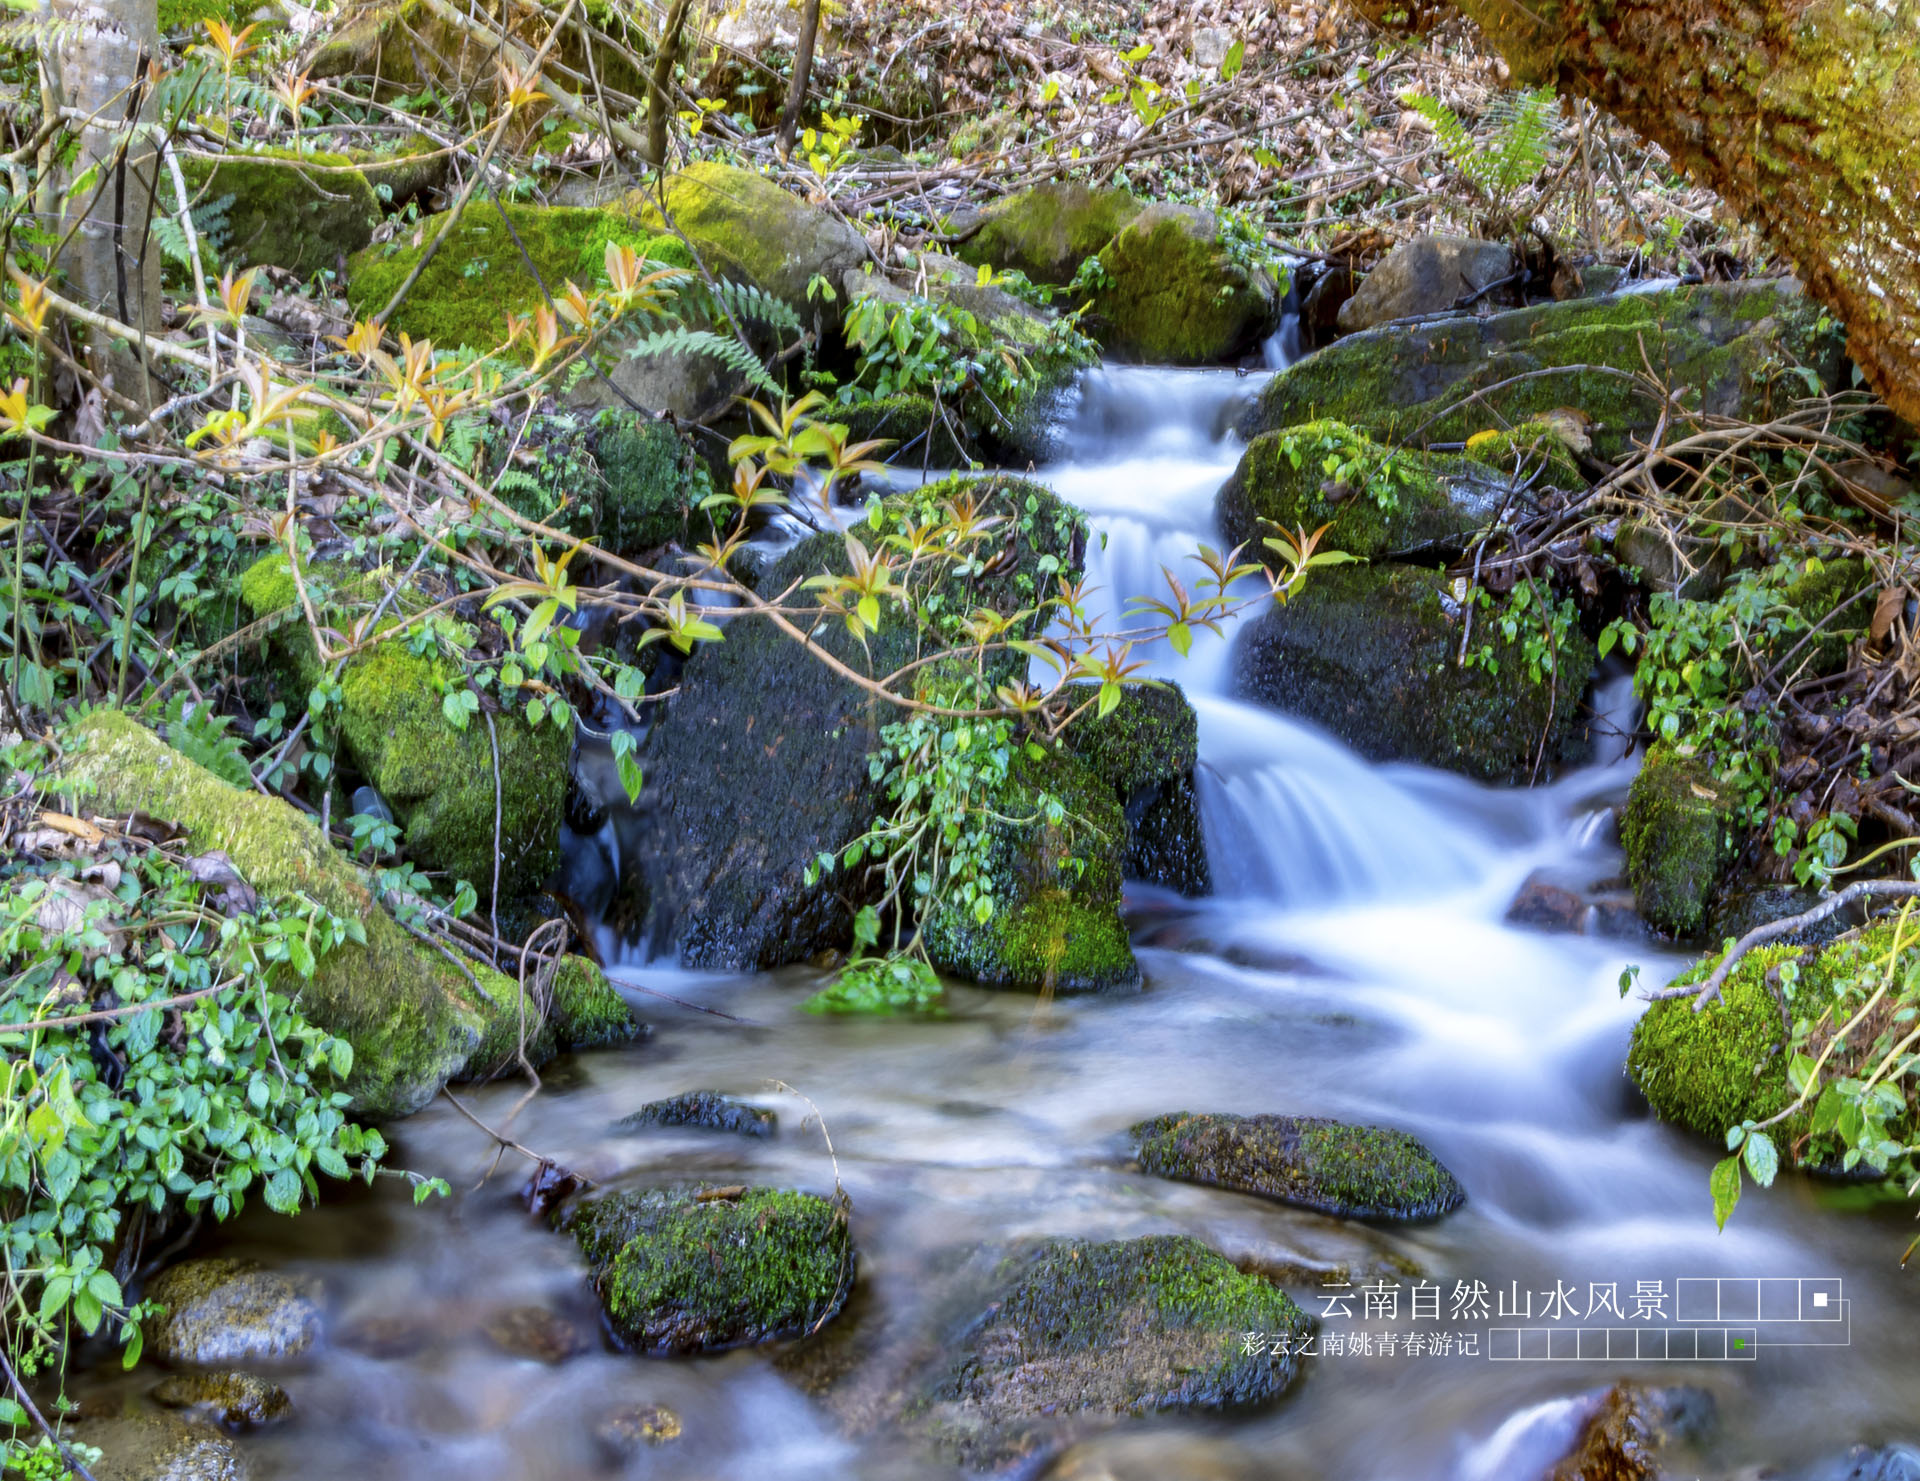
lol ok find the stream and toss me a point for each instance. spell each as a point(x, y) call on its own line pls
point(1353, 963)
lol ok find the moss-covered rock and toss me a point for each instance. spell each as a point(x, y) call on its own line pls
point(1351, 1172)
point(704, 1110)
point(439, 781)
point(407, 173)
point(1679, 836)
point(479, 276)
point(226, 1397)
point(413, 1018)
point(1145, 749)
point(1047, 231)
point(1372, 655)
point(1084, 1335)
point(225, 1311)
point(1400, 382)
point(581, 1010)
point(302, 212)
point(919, 434)
point(1175, 297)
point(760, 763)
point(1538, 449)
point(1388, 501)
point(1056, 888)
point(679, 1272)
point(747, 229)
point(620, 477)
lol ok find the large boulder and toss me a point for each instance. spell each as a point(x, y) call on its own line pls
point(1427, 275)
point(438, 780)
point(1175, 296)
point(1372, 654)
point(1723, 342)
point(1386, 502)
point(1047, 231)
point(1678, 829)
point(1082, 1336)
point(685, 1271)
point(1351, 1172)
point(301, 212)
point(760, 763)
point(415, 1018)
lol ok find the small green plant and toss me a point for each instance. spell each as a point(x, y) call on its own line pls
point(886, 983)
point(1529, 620)
point(1518, 129)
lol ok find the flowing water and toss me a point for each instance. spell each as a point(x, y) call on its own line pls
point(1354, 963)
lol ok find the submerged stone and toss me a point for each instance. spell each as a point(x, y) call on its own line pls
point(158, 1447)
point(535, 1333)
point(1086, 1334)
point(1351, 1172)
point(708, 1110)
point(681, 1271)
point(1631, 1428)
point(225, 1311)
point(1372, 654)
point(226, 1397)
point(1678, 829)
point(628, 1430)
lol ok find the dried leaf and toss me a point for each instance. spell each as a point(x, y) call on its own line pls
point(1886, 611)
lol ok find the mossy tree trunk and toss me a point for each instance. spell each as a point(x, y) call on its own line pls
point(1803, 114)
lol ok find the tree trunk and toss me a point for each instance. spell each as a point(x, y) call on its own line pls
point(659, 100)
point(100, 70)
point(1804, 115)
point(802, 72)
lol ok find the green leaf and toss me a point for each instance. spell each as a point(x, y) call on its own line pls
point(136, 1344)
point(631, 777)
point(86, 1311)
point(1236, 59)
point(53, 1297)
point(454, 710)
point(340, 1058)
point(1109, 699)
point(105, 1288)
point(1726, 1190)
point(1181, 636)
point(283, 1192)
point(1763, 1161)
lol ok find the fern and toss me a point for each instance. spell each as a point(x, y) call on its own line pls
point(200, 735)
point(1517, 129)
point(685, 341)
point(744, 301)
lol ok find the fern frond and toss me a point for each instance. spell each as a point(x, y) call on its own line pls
point(1518, 150)
point(744, 301)
point(684, 341)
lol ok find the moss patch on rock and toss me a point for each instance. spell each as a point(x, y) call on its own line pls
point(1408, 382)
point(225, 1397)
point(302, 212)
point(479, 277)
point(1370, 654)
point(1086, 1334)
point(705, 1110)
point(679, 1273)
point(1679, 836)
point(1145, 749)
point(1175, 298)
point(620, 477)
point(1351, 1172)
point(582, 1011)
point(1377, 500)
point(1047, 231)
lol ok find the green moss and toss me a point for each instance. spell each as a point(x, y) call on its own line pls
point(1531, 445)
point(678, 1274)
point(186, 15)
point(583, 1011)
point(708, 1110)
point(400, 175)
point(1711, 1070)
point(1678, 832)
point(908, 422)
point(643, 477)
point(1048, 231)
point(267, 586)
point(299, 211)
point(1283, 478)
point(1356, 1172)
point(479, 277)
point(412, 1017)
point(1150, 737)
point(1371, 653)
point(1402, 382)
point(1174, 297)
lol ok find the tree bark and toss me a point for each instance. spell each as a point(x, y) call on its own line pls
point(802, 73)
point(100, 71)
point(1804, 115)
point(659, 99)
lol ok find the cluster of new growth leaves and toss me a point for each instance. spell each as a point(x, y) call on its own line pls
point(154, 1064)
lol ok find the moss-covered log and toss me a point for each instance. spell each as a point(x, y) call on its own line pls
point(1803, 114)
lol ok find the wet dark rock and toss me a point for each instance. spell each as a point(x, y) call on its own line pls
point(1320, 308)
point(1427, 275)
point(708, 1110)
point(226, 1397)
point(628, 1430)
point(759, 765)
point(1617, 915)
point(1630, 1428)
point(684, 1271)
point(534, 1332)
point(1146, 750)
point(1736, 911)
point(1357, 1172)
point(1547, 907)
point(158, 1447)
point(225, 1311)
point(1083, 1335)
point(1370, 653)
